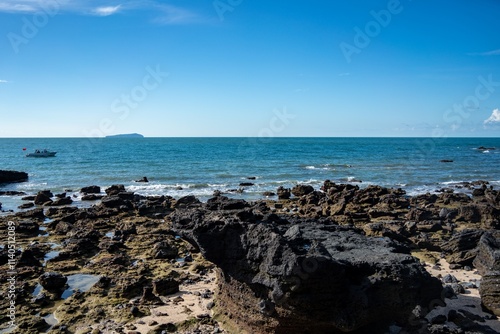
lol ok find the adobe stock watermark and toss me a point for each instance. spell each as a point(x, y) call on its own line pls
point(11, 273)
point(31, 26)
point(457, 114)
point(122, 106)
point(373, 28)
point(223, 6)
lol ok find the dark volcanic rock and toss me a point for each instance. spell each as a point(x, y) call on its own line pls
point(461, 248)
point(187, 201)
point(283, 193)
point(52, 281)
point(91, 190)
point(9, 176)
point(307, 276)
point(35, 214)
point(488, 255)
point(62, 201)
point(225, 203)
point(164, 250)
point(165, 286)
point(246, 184)
point(13, 193)
point(115, 189)
point(92, 197)
point(302, 189)
point(113, 201)
point(488, 264)
point(44, 196)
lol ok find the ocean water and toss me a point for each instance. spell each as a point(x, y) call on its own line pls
point(201, 165)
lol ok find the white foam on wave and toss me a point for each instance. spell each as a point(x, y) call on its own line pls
point(32, 186)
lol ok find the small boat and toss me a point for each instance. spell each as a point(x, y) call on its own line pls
point(41, 154)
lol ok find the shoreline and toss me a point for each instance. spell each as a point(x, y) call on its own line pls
point(13, 202)
point(141, 264)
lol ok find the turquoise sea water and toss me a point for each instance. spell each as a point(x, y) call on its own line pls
point(201, 165)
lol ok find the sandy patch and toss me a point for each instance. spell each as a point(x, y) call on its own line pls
point(190, 302)
point(470, 301)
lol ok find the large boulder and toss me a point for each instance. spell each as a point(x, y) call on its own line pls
point(462, 247)
point(488, 264)
point(306, 276)
point(10, 176)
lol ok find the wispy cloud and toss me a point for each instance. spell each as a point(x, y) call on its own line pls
point(165, 13)
point(3, 81)
point(345, 74)
point(494, 118)
point(13, 7)
point(176, 15)
point(487, 53)
point(106, 11)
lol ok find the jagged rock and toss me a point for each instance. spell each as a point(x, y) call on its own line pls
point(35, 214)
point(52, 281)
point(225, 203)
point(27, 227)
point(488, 264)
point(91, 197)
point(44, 196)
point(186, 201)
point(126, 195)
point(12, 193)
point(283, 193)
point(115, 189)
point(461, 248)
point(164, 250)
point(91, 190)
point(302, 189)
point(28, 258)
point(148, 297)
point(306, 276)
point(23, 206)
point(9, 176)
point(62, 201)
point(488, 256)
point(165, 286)
point(114, 201)
point(246, 184)
point(469, 214)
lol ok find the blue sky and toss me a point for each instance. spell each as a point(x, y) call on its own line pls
point(249, 68)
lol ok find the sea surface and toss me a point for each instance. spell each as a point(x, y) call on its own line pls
point(198, 166)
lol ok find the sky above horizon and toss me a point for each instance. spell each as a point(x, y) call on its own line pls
point(249, 68)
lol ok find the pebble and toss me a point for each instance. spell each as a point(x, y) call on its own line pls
point(134, 310)
point(449, 279)
point(457, 288)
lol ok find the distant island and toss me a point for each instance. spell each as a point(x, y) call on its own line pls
point(126, 135)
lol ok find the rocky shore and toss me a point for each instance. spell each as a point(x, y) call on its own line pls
point(339, 259)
